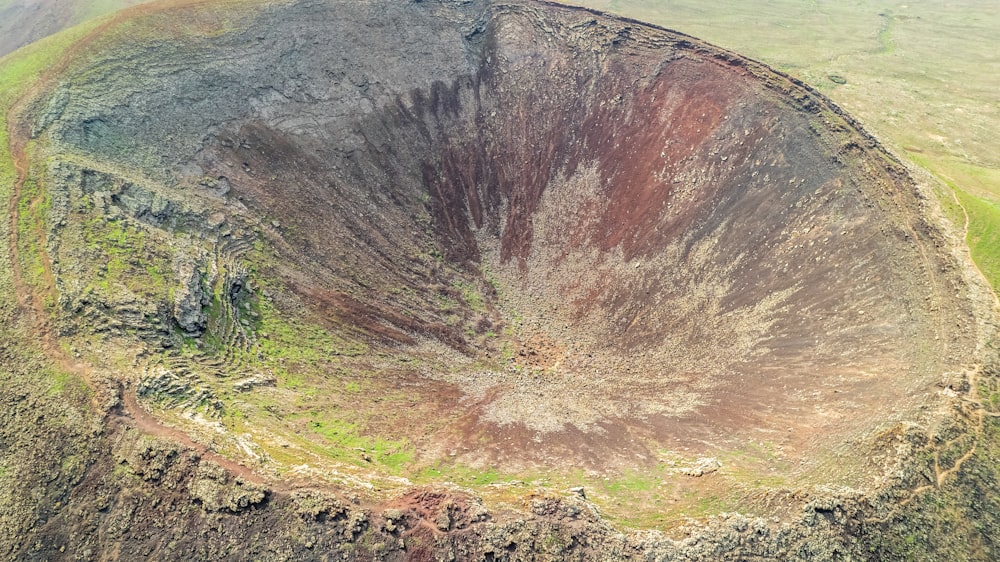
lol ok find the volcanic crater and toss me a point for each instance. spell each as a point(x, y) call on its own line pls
point(500, 234)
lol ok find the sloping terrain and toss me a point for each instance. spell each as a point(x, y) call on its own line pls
point(922, 77)
point(409, 271)
point(25, 21)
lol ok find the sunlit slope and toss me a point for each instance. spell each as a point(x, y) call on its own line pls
point(922, 75)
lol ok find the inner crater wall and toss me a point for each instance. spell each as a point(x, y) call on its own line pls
point(665, 240)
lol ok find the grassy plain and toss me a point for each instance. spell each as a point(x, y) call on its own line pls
point(923, 76)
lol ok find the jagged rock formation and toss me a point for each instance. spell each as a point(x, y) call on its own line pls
point(486, 234)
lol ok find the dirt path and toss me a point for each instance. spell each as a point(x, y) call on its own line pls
point(147, 423)
point(32, 299)
point(979, 412)
point(968, 249)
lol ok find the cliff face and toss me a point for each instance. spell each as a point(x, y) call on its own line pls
point(316, 262)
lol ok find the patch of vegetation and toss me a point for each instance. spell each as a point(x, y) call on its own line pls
point(708, 504)
point(63, 385)
point(470, 296)
point(30, 220)
point(632, 483)
point(345, 442)
point(462, 475)
point(951, 206)
point(131, 260)
point(984, 234)
point(886, 45)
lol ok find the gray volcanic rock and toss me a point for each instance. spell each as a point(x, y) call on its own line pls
point(193, 295)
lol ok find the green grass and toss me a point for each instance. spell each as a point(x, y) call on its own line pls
point(984, 234)
point(470, 296)
point(62, 384)
point(629, 484)
point(886, 45)
point(299, 341)
point(95, 8)
point(462, 475)
point(344, 441)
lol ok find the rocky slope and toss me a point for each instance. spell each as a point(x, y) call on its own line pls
point(353, 254)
